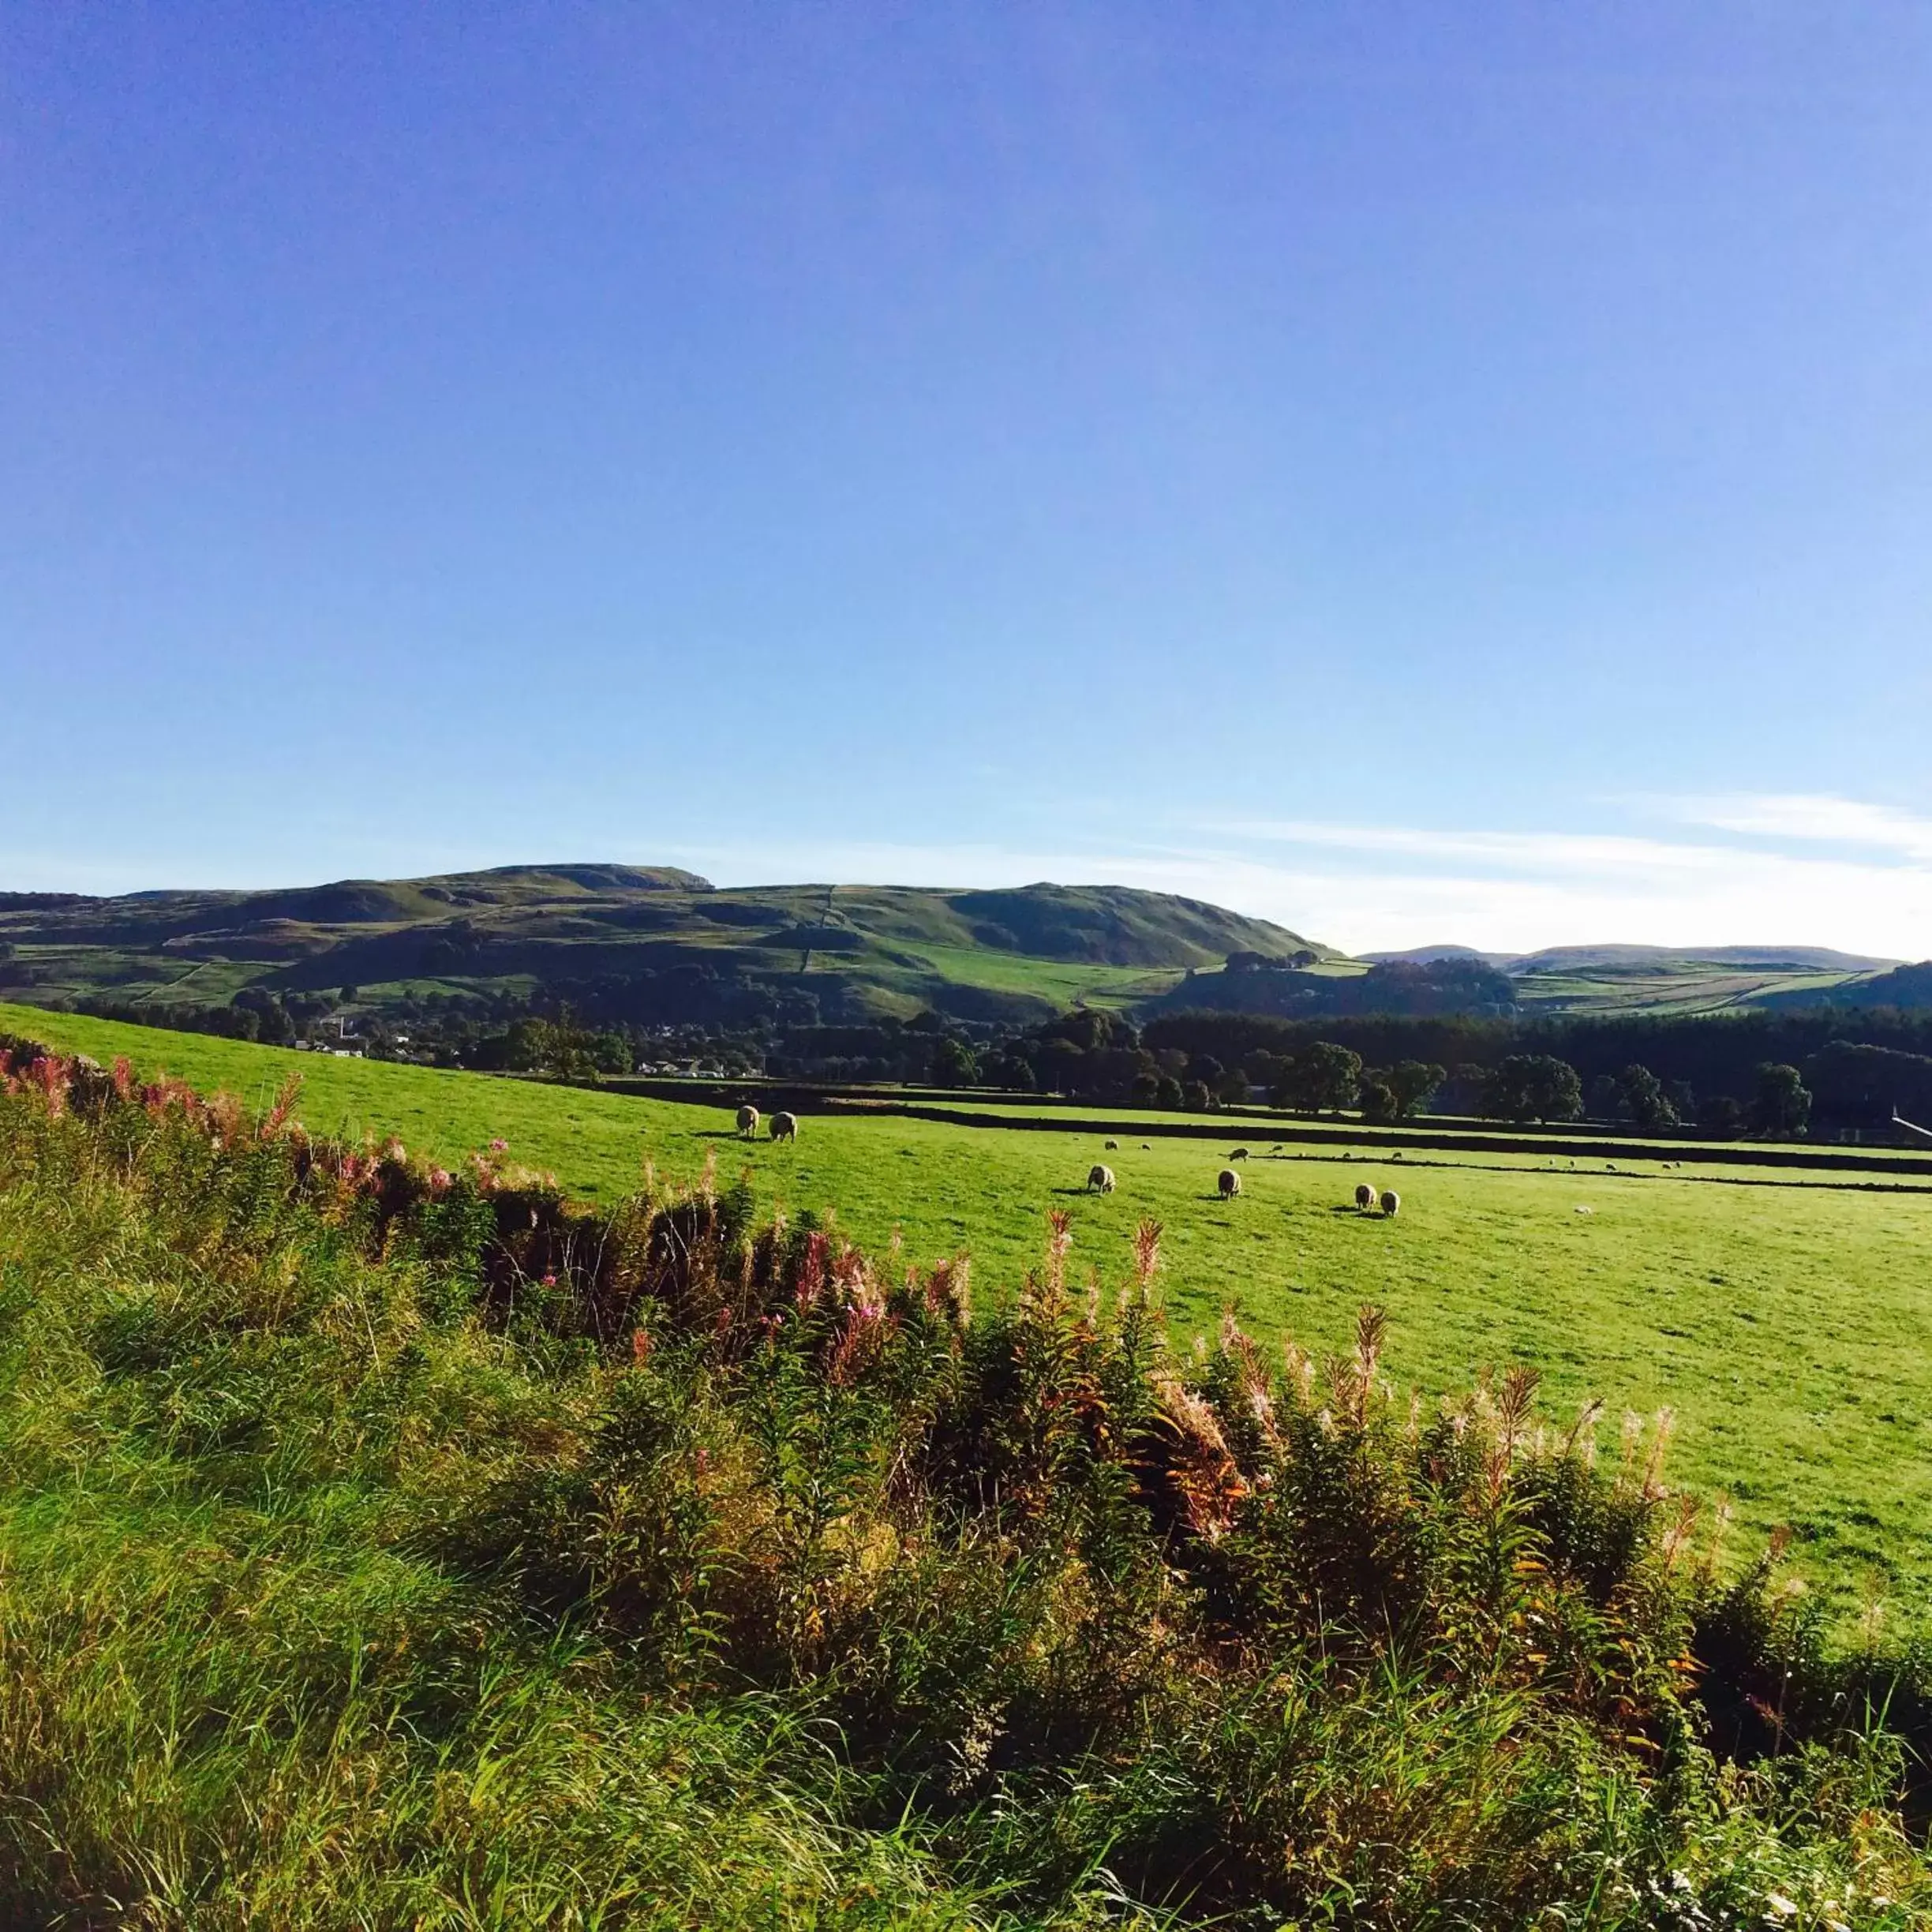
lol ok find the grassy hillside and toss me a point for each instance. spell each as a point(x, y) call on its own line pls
point(380, 1548)
point(1786, 1324)
point(1674, 986)
point(657, 941)
point(1618, 979)
point(1907, 986)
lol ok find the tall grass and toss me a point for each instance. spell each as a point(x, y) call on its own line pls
point(384, 1546)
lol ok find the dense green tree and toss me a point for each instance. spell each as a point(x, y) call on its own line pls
point(954, 1064)
point(1006, 1066)
point(1377, 1099)
point(1643, 1098)
point(1206, 1069)
point(1532, 1087)
point(1325, 1077)
point(1412, 1084)
point(1781, 1107)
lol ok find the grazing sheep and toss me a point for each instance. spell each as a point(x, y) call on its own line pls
point(1111, 1145)
point(1147, 1147)
point(1229, 1184)
point(1589, 1211)
point(1364, 1195)
point(1099, 1179)
point(747, 1122)
point(784, 1127)
point(1239, 1153)
point(1391, 1203)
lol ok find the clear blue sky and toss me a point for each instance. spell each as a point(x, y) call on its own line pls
point(1417, 472)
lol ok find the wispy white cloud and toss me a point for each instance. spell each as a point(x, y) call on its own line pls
point(1557, 852)
point(1369, 888)
point(1811, 818)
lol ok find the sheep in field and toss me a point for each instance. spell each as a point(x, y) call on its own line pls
point(1099, 1178)
point(747, 1122)
point(784, 1127)
point(1364, 1195)
point(1239, 1153)
point(1391, 1203)
point(1229, 1184)
point(1111, 1145)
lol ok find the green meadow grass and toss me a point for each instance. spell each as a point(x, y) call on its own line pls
point(1788, 1325)
point(1062, 981)
point(1260, 1129)
point(1686, 986)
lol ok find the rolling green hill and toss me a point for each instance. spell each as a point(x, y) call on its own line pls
point(643, 943)
point(1607, 980)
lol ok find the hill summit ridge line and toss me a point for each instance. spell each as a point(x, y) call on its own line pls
point(658, 945)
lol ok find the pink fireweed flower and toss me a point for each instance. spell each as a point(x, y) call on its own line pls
point(811, 1271)
point(500, 1146)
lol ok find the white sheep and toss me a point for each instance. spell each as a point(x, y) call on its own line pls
point(1391, 1203)
point(1111, 1145)
point(784, 1127)
point(1099, 1178)
point(1365, 1195)
point(1229, 1184)
point(747, 1121)
point(1588, 1211)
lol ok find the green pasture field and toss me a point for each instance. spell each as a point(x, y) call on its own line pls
point(1259, 1131)
point(1688, 986)
point(1787, 1321)
point(1063, 982)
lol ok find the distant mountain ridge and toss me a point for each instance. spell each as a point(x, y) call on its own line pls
point(650, 944)
point(1811, 959)
point(1574, 958)
point(639, 941)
